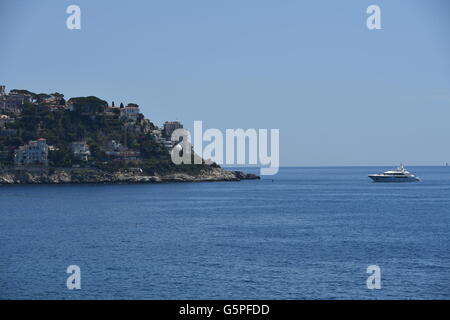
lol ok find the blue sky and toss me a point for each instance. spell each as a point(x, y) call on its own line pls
point(339, 93)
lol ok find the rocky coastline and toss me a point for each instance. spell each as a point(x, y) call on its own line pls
point(92, 175)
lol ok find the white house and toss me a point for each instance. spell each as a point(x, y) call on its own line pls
point(35, 152)
point(81, 150)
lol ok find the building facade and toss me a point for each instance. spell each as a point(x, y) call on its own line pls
point(33, 153)
point(12, 102)
point(81, 150)
point(170, 127)
point(130, 112)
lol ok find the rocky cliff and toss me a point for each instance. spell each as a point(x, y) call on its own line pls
point(82, 175)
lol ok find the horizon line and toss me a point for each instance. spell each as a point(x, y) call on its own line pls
point(334, 166)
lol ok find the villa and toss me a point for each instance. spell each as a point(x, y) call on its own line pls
point(33, 153)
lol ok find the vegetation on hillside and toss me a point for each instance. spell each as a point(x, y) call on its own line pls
point(87, 122)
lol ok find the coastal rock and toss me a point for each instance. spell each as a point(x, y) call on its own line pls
point(92, 175)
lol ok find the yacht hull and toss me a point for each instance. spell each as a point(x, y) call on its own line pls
point(379, 178)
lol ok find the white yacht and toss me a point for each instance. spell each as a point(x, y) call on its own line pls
point(399, 175)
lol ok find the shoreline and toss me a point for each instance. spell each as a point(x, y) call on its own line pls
point(54, 176)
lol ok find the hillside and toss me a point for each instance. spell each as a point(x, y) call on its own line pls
point(115, 142)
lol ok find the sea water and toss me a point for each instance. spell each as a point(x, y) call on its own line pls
point(306, 233)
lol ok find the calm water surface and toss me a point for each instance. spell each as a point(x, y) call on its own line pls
point(309, 234)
